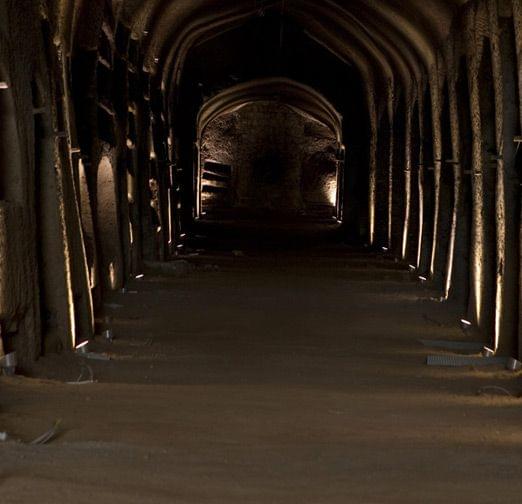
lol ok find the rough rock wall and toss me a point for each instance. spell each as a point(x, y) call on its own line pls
point(19, 53)
point(44, 286)
point(58, 222)
point(280, 159)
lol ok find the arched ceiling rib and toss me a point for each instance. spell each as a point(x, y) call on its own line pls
point(345, 37)
point(359, 54)
point(288, 91)
point(405, 32)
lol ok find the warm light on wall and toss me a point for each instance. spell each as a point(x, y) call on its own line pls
point(131, 188)
point(112, 276)
point(332, 191)
point(498, 311)
point(478, 290)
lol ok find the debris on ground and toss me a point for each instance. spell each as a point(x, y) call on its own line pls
point(494, 390)
point(48, 435)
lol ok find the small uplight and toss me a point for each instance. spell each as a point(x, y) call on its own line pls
point(112, 275)
point(183, 235)
point(4, 85)
point(488, 352)
point(465, 324)
point(140, 276)
point(423, 278)
point(180, 246)
point(82, 347)
point(412, 267)
point(385, 249)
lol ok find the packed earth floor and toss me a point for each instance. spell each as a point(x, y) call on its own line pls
point(279, 368)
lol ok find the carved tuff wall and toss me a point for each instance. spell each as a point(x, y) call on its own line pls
point(99, 105)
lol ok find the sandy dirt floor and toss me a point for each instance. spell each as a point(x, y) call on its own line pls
point(293, 374)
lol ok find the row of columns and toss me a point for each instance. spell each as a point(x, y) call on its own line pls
point(457, 171)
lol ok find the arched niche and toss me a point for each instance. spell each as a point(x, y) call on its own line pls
point(213, 175)
point(108, 221)
point(487, 172)
point(461, 266)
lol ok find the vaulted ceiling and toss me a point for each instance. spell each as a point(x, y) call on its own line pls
point(385, 39)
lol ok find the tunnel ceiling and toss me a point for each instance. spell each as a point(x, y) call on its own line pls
point(304, 99)
point(390, 40)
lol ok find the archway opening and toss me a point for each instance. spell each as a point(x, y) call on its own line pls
point(268, 158)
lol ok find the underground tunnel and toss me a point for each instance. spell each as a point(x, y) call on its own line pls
point(260, 251)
